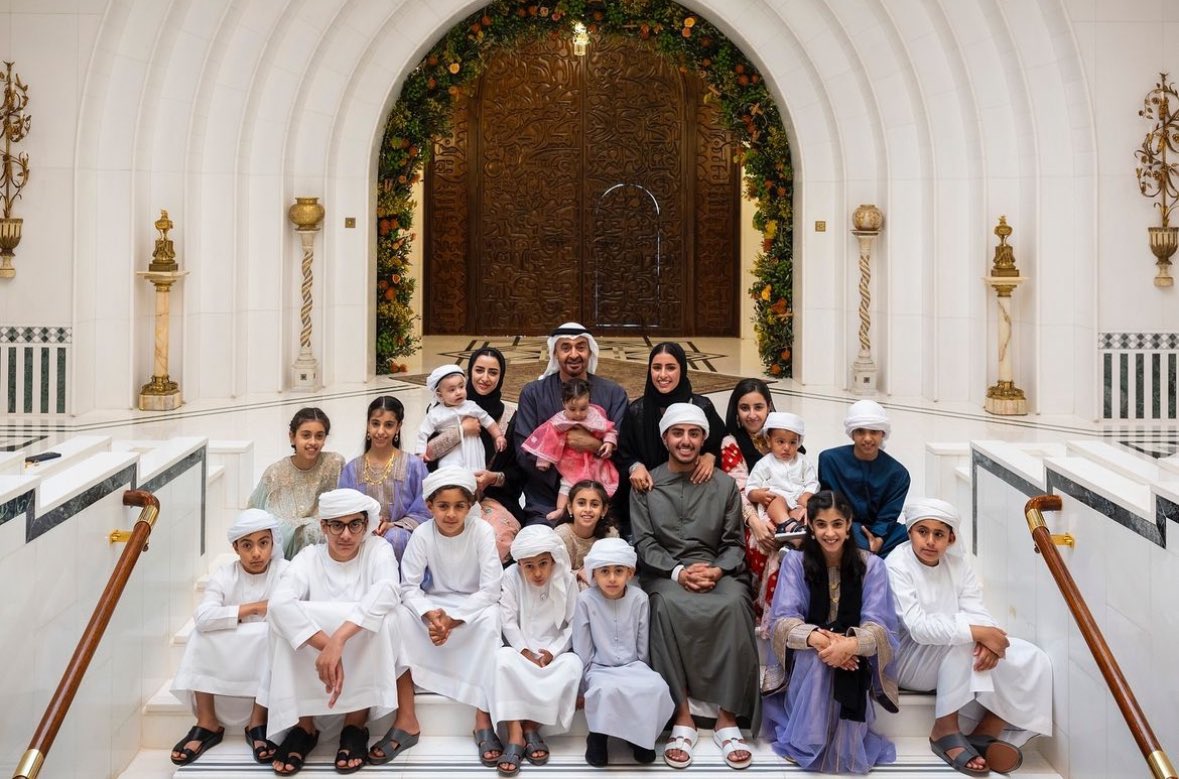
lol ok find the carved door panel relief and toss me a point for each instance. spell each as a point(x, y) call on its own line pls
point(599, 189)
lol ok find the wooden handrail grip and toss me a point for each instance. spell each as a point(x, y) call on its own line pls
point(55, 711)
point(1136, 720)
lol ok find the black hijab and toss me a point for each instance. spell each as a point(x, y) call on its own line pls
point(656, 402)
point(491, 402)
point(733, 424)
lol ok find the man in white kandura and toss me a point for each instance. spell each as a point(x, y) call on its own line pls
point(951, 643)
point(334, 618)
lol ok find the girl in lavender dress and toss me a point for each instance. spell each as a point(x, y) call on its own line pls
point(833, 630)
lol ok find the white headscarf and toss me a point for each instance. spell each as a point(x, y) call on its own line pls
point(609, 551)
point(449, 476)
point(438, 374)
point(572, 331)
point(932, 508)
point(542, 608)
point(683, 414)
point(784, 420)
point(866, 415)
point(253, 521)
point(344, 502)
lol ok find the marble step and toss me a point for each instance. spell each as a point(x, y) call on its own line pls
point(454, 756)
point(166, 719)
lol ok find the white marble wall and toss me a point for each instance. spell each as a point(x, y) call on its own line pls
point(1129, 584)
point(946, 114)
point(51, 586)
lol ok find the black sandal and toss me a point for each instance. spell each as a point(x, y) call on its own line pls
point(534, 743)
point(512, 756)
point(298, 741)
point(353, 746)
point(256, 734)
point(487, 741)
point(207, 738)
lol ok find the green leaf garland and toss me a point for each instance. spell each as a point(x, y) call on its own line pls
point(423, 111)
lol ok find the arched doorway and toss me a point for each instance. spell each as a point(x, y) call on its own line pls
point(601, 188)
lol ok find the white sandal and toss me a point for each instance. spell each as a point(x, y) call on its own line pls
point(682, 738)
point(730, 740)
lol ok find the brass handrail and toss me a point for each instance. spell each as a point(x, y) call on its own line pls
point(1152, 750)
point(33, 757)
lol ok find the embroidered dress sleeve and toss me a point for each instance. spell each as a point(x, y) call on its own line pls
point(788, 628)
point(415, 474)
point(491, 574)
point(564, 638)
point(382, 595)
point(443, 443)
point(924, 627)
point(285, 610)
point(509, 610)
point(214, 612)
point(348, 478)
point(427, 428)
point(583, 640)
point(260, 497)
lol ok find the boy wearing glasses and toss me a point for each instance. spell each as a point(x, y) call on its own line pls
point(334, 626)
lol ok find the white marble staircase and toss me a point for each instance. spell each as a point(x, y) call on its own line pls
point(447, 749)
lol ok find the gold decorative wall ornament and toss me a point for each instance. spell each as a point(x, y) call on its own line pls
point(307, 215)
point(867, 220)
point(1158, 176)
point(1004, 398)
point(162, 393)
point(14, 170)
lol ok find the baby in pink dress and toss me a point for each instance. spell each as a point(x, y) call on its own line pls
point(548, 444)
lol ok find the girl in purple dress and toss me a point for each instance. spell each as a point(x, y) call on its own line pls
point(833, 630)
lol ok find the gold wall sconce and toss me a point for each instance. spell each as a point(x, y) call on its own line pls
point(14, 169)
point(1157, 174)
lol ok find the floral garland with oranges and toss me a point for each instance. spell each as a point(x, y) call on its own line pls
point(423, 111)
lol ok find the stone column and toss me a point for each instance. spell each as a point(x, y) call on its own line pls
point(866, 221)
point(161, 393)
point(307, 216)
point(1004, 398)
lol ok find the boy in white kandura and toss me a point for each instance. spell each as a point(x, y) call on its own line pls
point(334, 642)
point(536, 676)
point(228, 653)
point(951, 643)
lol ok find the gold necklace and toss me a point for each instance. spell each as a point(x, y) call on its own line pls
point(370, 477)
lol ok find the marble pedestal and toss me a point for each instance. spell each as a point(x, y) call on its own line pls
point(161, 393)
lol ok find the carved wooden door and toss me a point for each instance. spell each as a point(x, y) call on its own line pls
point(599, 189)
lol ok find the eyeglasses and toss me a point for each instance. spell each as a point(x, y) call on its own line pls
point(336, 527)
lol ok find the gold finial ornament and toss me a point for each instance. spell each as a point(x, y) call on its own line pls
point(1158, 176)
point(867, 219)
point(14, 169)
point(162, 393)
point(163, 259)
point(1004, 398)
point(306, 213)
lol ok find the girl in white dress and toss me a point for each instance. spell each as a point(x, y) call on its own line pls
point(450, 629)
point(227, 655)
point(536, 676)
point(624, 697)
point(951, 643)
